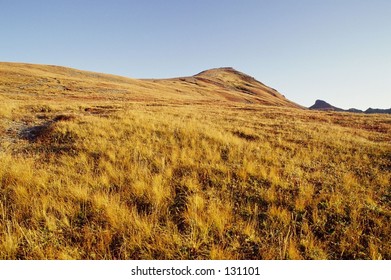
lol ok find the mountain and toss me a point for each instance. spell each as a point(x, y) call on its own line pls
point(324, 106)
point(221, 85)
point(235, 81)
point(378, 111)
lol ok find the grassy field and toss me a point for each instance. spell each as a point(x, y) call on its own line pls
point(104, 178)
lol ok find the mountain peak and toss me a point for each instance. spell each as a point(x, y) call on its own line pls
point(324, 106)
point(225, 74)
point(217, 70)
point(321, 103)
point(234, 81)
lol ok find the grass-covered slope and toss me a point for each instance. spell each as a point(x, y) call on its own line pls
point(92, 178)
point(220, 86)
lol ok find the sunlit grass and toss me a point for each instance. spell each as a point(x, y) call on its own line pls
point(103, 175)
point(196, 183)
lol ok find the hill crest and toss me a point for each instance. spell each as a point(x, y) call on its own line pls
point(222, 85)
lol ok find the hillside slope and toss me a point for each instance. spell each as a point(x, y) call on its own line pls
point(223, 85)
point(96, 166)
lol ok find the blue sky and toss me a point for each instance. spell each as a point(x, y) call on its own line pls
point(335, 50)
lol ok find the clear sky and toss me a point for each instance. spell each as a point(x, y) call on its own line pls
point(335, 50)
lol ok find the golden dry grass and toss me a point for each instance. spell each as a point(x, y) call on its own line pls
point(220, 86)
point(101, 178)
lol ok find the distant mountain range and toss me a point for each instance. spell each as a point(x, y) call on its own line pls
point(324, 106)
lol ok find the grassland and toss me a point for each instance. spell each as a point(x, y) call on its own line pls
point(98, 175)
